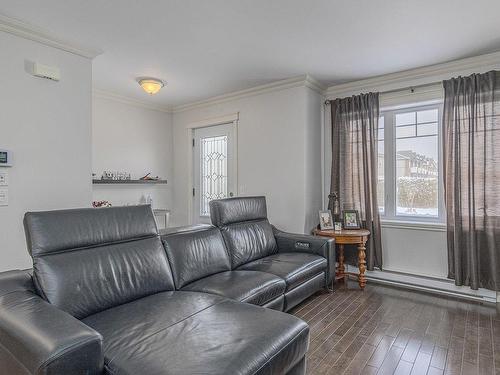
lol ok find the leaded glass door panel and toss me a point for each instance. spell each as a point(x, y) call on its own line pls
point(213, 168)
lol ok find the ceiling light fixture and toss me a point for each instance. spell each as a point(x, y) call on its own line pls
point(150, 85)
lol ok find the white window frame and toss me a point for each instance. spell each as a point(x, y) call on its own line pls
point(389, 214)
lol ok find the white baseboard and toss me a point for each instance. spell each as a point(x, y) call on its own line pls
point(429, 284)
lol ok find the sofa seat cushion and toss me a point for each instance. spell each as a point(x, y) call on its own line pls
point(198, 333)
point(253, 287)
point(295, 268)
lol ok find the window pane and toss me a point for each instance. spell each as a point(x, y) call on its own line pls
point(380, 166)
point(213, 171)
point(427, 129)
point(405, 118)
point(380, 181)
point(417, 176)
point(406, 131)
point(430, 115)
point(381, 128)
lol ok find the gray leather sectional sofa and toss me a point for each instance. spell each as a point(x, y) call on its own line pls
point(108, 295)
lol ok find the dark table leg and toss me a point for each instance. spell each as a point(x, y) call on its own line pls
point(341, 266)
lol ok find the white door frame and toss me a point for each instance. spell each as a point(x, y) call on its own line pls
point(234, 118)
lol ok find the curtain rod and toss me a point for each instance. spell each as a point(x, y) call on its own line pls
point(411, 88)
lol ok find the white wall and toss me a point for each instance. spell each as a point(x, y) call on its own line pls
point(273, 138)
point(133, 139)
point(415, 251)
point(47, 126)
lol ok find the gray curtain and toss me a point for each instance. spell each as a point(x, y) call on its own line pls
point(471, 122)
point(354, 164)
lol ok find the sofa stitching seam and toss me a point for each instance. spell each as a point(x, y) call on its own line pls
point(173, 324)
point(109, 243)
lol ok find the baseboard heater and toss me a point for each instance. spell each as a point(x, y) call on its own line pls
point(428, 284)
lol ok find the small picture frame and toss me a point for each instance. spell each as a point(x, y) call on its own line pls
point(337, 226)
point(351, 219)
point(325, 220)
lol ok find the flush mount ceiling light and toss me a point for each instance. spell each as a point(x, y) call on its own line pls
point(150, 85)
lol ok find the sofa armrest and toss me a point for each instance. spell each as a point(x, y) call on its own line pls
point(38, 338)
point(325, 247)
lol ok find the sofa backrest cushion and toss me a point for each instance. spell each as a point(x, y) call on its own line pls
point(245, 228)
point(88, 260)
point(196, 254)
point(236, 210)
point(249, 241)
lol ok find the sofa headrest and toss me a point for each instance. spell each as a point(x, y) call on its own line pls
point(53, 231)
point(236, 210)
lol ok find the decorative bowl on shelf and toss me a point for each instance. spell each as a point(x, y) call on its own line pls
point(101, 204)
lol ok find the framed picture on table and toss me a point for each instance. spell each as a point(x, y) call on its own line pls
point(351, 219)
point(325, 220)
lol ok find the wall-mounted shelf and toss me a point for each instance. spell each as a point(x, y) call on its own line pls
point(129, 182)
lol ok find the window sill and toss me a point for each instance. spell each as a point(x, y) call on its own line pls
point(414, 225)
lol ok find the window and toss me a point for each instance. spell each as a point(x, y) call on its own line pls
point(213, 163)
point(409, 178)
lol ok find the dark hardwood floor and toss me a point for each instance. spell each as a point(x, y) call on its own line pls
point(384, 330)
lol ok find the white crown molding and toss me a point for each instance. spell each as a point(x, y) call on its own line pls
point(34, 33)
point(231, 117)
point(300, 81)
point(387, 84)
point(418, 76)
point(102, 94)
point(314, 84)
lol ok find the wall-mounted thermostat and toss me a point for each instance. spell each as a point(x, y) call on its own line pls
point(5, 158)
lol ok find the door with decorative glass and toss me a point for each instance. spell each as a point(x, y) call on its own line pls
point(214, 168)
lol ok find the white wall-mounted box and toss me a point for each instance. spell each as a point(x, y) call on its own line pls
point(46, 71)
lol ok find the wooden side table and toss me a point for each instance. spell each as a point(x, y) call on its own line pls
point(349, 237)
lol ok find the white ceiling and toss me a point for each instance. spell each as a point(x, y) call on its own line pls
point(204, 48)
